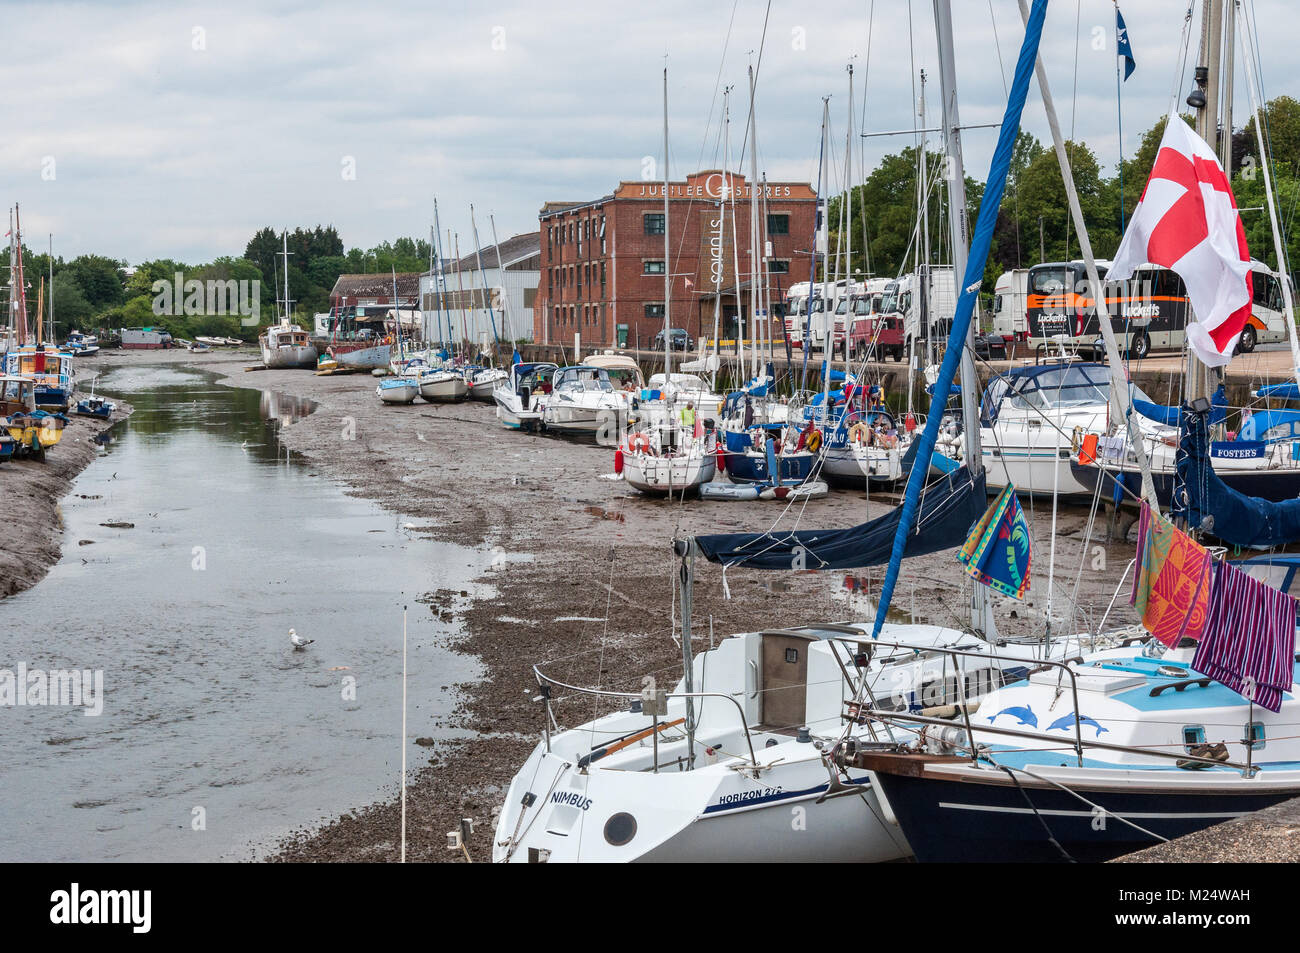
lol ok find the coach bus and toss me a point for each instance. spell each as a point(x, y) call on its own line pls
point(1148, 311)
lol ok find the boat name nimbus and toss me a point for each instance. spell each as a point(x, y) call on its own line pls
point(213, 296)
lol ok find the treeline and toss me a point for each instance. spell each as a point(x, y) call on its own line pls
point(95, 293)
point(1033, 222)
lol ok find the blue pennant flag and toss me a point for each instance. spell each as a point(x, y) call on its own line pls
point(997, 551)
point(518, 359)
point(1122, 44)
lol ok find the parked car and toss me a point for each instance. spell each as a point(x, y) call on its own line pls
point(681, 340)
point(991, 346)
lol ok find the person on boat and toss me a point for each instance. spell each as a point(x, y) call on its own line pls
point(804, 436)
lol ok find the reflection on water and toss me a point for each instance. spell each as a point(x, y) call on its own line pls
point(216, 735)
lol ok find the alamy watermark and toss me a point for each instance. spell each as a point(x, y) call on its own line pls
point(36, 688)
point(215, 296)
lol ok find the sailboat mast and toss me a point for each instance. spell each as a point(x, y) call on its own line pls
point(478, 258)
point(668, 270)
point(1207, 127)
point(1279, 250)
point(441, 282)
point(51, 287)
point(756, 232)
point(501, 273)
point(21, 286)
point(848, 228)
point(951, 121)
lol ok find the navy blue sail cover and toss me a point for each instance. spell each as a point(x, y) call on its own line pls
point(1207, 503)
point(949, 508)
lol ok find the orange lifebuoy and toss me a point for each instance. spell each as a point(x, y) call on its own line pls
point(638, 442)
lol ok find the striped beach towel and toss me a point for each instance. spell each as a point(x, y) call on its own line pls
point(1249, 639)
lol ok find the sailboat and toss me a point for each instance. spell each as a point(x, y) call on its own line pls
point(674, 453)
point(284, 344)
point(712, 769)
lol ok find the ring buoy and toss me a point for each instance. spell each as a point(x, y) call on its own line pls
point(858, 433)
point(638, 442)
point(814, 441)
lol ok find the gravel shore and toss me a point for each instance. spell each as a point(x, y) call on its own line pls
point(31, 491)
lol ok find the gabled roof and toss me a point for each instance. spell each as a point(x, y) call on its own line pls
point(513, 251)
point(376, 285)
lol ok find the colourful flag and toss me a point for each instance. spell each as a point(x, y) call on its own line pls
point(1122, 44)
point(998, 550)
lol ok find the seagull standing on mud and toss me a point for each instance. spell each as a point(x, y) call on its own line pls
point(299, 644)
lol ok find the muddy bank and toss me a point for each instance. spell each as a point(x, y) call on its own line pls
point(30, 492)
point(583, 579)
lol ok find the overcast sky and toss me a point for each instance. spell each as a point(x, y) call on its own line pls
point(146, 130)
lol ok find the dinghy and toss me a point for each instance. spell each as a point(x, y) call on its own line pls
point(398, 390)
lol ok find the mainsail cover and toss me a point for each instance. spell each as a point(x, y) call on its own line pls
point(948, 509)
point(1169, 416)
point(1207, 503)
point(981, 239)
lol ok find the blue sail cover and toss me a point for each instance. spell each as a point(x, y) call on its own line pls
point(1206, 502)
point(1288, 391)
point(981, 239)
point(948, 509)
point(1170, 415)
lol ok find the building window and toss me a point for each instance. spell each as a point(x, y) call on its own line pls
point(778, 266)
point(778, 224)
point(652, 268)
point(654, 311)
point(654, 223)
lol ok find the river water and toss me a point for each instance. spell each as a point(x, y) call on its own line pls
point(216, 736)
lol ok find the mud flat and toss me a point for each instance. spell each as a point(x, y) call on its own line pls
point(30, 493)
point(583, 580)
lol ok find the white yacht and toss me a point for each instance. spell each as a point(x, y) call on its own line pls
point(583, 401)
point(518, 398)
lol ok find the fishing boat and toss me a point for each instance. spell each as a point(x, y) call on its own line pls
point(398, 390)
point(17, 395)
point(667, 459)
point(284, 344)
point(81, 345)
point(34, 433)
point(93, 406)
point(361, 354)
point(209, 341)
point(518, 399)
point(49, 368)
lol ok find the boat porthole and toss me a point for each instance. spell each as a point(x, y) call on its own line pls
point(620, 828)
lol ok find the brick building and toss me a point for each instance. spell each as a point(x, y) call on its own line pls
point(603, 261)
